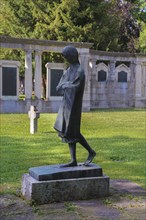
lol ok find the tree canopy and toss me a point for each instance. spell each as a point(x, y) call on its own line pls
point(112, 25)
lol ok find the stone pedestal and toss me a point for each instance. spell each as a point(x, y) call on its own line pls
point(49, 184)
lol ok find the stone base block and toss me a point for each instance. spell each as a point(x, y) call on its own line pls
point(64, 189)
point(55, 172)
point(140, 103)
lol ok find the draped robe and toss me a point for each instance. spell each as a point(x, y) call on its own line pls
point(68, 120)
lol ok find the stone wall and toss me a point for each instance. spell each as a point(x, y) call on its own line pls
point(113, 80)
point(117, 81)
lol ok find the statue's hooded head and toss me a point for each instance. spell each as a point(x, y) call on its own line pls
point(70, 53)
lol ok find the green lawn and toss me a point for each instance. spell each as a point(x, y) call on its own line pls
point(118, 137)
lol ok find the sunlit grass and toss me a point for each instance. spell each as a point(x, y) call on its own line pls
point(118, 137)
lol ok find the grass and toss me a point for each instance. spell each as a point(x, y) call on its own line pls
point(118, 137)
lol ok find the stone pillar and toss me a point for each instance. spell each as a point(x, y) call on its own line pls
point(84, 60)
point(138, 86)
point(112, 75)
point(0, 80)
point(93, 93)
point(132, 76)
point(144, 80)
point(94, 70)
point(131, 85)
point(28, 74)
point(111, 84)
point(38, 74)
point(140, 96)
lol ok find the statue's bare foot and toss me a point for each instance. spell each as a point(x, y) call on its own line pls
point(71, 164)
point(90, 158)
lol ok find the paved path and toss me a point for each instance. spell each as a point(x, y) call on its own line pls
point(127, 201)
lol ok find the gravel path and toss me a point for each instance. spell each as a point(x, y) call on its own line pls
point(127, 201)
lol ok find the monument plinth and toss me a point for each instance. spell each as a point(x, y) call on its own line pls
point(48, 184)
point(54, 172)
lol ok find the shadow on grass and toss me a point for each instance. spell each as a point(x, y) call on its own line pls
point(118, 110)
point(120, 156)
point(48, 132)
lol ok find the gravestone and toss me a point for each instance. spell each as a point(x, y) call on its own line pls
point(9, 79)
point(102, 76)
point(33, 114)
point(9, 74)
point(122, 76)
point(55, 75)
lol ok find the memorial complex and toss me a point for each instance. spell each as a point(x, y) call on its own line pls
point(113, 79)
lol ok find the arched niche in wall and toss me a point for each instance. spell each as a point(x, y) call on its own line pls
point(102, 72)
point(122, 73)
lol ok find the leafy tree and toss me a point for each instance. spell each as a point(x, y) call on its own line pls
point(66, 20)
point(128, 26)
point(140, 15)
point(141, 43)
point(109, 24)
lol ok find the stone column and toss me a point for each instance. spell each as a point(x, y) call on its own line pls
point(93, 90)
point(38, 74)
point(28, 74)
point(84, 60)
point(112, 75)
point(111, 84)
point(0, 80)
point(131, 84)
point(94, 71)
point(138, 87)
point(132, 76)
point(144, 79)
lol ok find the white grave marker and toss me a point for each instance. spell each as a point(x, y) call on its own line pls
point(33, 114)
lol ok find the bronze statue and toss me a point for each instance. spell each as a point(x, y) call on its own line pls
point(68, 121)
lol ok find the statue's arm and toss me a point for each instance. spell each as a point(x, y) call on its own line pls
point(76, 83)
point(62, 81)
point(69, 85)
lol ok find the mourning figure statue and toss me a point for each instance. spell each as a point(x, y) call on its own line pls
point(68, 120)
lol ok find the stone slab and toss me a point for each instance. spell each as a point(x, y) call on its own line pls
point(54, 172)
point(64, 189)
